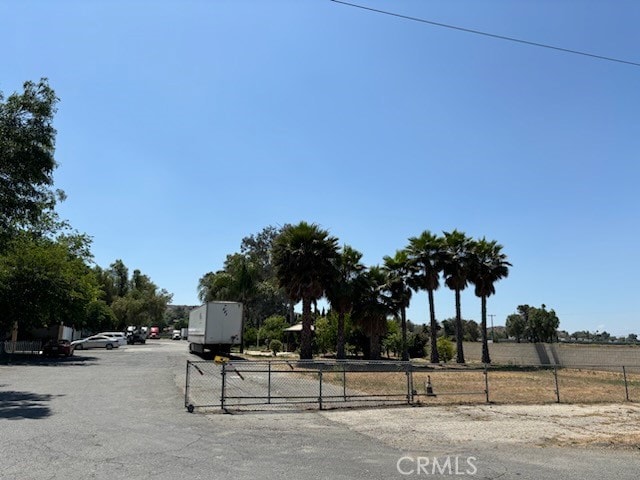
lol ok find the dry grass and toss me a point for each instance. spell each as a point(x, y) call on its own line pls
point(505, 386)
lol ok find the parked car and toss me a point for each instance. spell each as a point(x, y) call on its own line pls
point(120, 336)
point(176, 335)
point(96, 341)
point(53, 348)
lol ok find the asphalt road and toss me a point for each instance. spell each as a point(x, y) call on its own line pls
point(120, 415)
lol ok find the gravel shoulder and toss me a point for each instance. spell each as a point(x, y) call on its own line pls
point(410, 428)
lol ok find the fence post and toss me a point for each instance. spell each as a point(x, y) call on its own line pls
point(409, 373)
point(486, 382)
point(269, 385)
point(222, 390)
point(555, 374)
point(344, 382)
point(186, 386)
point(626, 385)
point(320, 378)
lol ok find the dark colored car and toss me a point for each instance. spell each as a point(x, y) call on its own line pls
point(53, 348)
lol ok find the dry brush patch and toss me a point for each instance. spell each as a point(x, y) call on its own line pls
point(521, 385)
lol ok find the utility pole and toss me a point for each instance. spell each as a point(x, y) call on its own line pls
point(493, 337)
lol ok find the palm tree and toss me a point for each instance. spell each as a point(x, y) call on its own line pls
point(341, 291)
point(487, 265)
point(398, 270)
point(303, 260)
point(426, 253)
point(456, 271)
point(369, 308)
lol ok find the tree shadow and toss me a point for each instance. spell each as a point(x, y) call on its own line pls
point(39, 360)
point(23, 405)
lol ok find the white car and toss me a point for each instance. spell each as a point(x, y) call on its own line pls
point(120, 336)
point(97, 341)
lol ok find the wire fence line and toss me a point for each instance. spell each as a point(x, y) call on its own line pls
point(279, 384)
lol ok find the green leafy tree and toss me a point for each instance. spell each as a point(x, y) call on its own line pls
point(449, 328)
point(398, 270)
point(248, 277)
point(100, 317)
point(303, 257)
point(537, 324)
point(273, 328)
point(426, 252)
point(258, 249)
point(516, 326)
point(137, 300)
point(392, 342)
point(177, 315)
point(471, 330)
point(42, 283)
point(446, 349)
point(542, 324)
point(216, 286)
point(341, 290)
point(418, 341)
point(456, 274)
point(325, 333)
point(250, 335)
point(180, 324)
point(487, 265)
point(275, 346)
point(27, 144)
point(120, 277)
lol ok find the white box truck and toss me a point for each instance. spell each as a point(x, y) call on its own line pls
point(215, 326)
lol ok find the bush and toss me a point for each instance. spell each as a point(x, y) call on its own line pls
point(275, 346)
point(446, 349)
point(250, 336)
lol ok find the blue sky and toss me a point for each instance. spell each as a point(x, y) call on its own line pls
point(184, 126)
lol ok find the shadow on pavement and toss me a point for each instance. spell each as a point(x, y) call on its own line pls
point(22, 405)
point(41, 361)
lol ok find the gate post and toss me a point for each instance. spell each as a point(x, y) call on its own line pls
point(186, 386)
point(320, 378)
point(223, 392)
point(269, 384)
point(409, 373)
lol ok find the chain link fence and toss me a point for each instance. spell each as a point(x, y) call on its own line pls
point(278, 384)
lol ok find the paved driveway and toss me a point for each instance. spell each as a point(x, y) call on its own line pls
point(119, 415)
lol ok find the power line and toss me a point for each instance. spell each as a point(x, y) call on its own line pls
point(487, 34)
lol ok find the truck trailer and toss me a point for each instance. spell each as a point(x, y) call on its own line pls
point(216, 327)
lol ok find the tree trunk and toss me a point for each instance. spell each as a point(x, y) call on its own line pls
point(374, 346)
point(459, 332)
point(433, 331)
point(306, 350)
point(340, 344)
point(485, 343)
point(292, 319)
point(403, 316)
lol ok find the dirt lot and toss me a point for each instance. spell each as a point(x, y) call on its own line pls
point(412, 428)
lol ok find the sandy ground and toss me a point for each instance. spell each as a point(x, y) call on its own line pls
point(610, 426)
